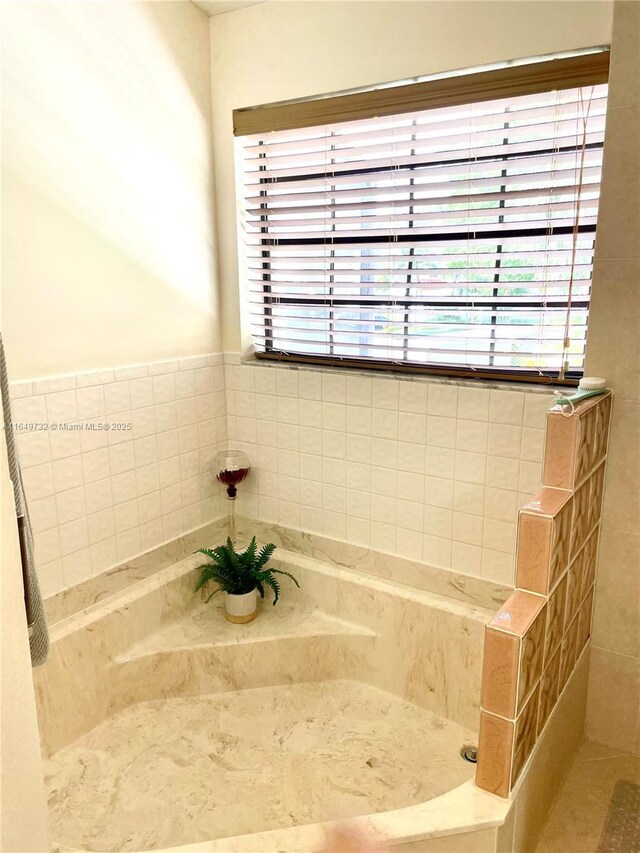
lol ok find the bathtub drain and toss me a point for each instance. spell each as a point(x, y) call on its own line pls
point(469, 753)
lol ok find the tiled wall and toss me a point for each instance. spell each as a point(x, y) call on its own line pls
point(97, 497)
point(424, 469)
point(534, 641)
point(430, 471)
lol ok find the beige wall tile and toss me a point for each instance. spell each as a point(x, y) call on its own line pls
point(614, 699)
point(617, 607)
point(622, 484)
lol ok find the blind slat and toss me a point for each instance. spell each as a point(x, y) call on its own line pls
point(521, 169)
point(482, 153)
point(422, 123)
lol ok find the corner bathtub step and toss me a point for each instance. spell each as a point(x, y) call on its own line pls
point(205, 626)
point(202, 653)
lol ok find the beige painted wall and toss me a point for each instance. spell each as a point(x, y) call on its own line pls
point(281, 50)
point(613, 351)
point(108, 251)
point(23, 819)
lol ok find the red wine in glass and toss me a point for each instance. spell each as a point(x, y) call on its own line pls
point(230, 479)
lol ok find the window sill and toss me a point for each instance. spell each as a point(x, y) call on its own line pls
point(250, 360)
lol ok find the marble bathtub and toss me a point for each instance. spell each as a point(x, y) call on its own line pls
point(165, 727)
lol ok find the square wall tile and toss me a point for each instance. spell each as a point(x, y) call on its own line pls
point(358, 391)
point(506, 407)
point(69, 473)
point(90, 402)
point(473, 403)
point(33, 448)
point(443, 400)
point(412, 397)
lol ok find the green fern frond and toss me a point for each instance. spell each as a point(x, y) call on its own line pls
point(288, 574)
point(275, 586)
point(232, 555)
point(248, 556)
point(206, 574)
point(224, 557)
point(209, 574)
point(265, 555)
point(207, 553)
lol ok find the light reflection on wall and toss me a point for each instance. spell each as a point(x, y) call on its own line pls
point(106, 116)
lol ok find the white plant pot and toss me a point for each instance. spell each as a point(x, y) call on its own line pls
point(241, 609)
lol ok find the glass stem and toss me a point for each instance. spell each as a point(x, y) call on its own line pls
point(232, 520)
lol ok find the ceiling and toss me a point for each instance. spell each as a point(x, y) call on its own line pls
point(219, 7)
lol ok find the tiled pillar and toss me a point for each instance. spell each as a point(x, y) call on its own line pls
point(534, 641)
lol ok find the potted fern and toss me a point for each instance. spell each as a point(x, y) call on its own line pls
point(241, 575)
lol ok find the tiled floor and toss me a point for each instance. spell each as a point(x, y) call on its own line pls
point(578, 816)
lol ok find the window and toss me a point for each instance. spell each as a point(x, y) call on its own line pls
point(443, 227)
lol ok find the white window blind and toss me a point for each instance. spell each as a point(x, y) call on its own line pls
point(457, 239)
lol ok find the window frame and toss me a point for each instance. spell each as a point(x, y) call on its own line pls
point(523, 79)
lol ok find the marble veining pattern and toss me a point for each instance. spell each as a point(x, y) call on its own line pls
point(181, 771)
point(481, 592)
point(206, 625)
